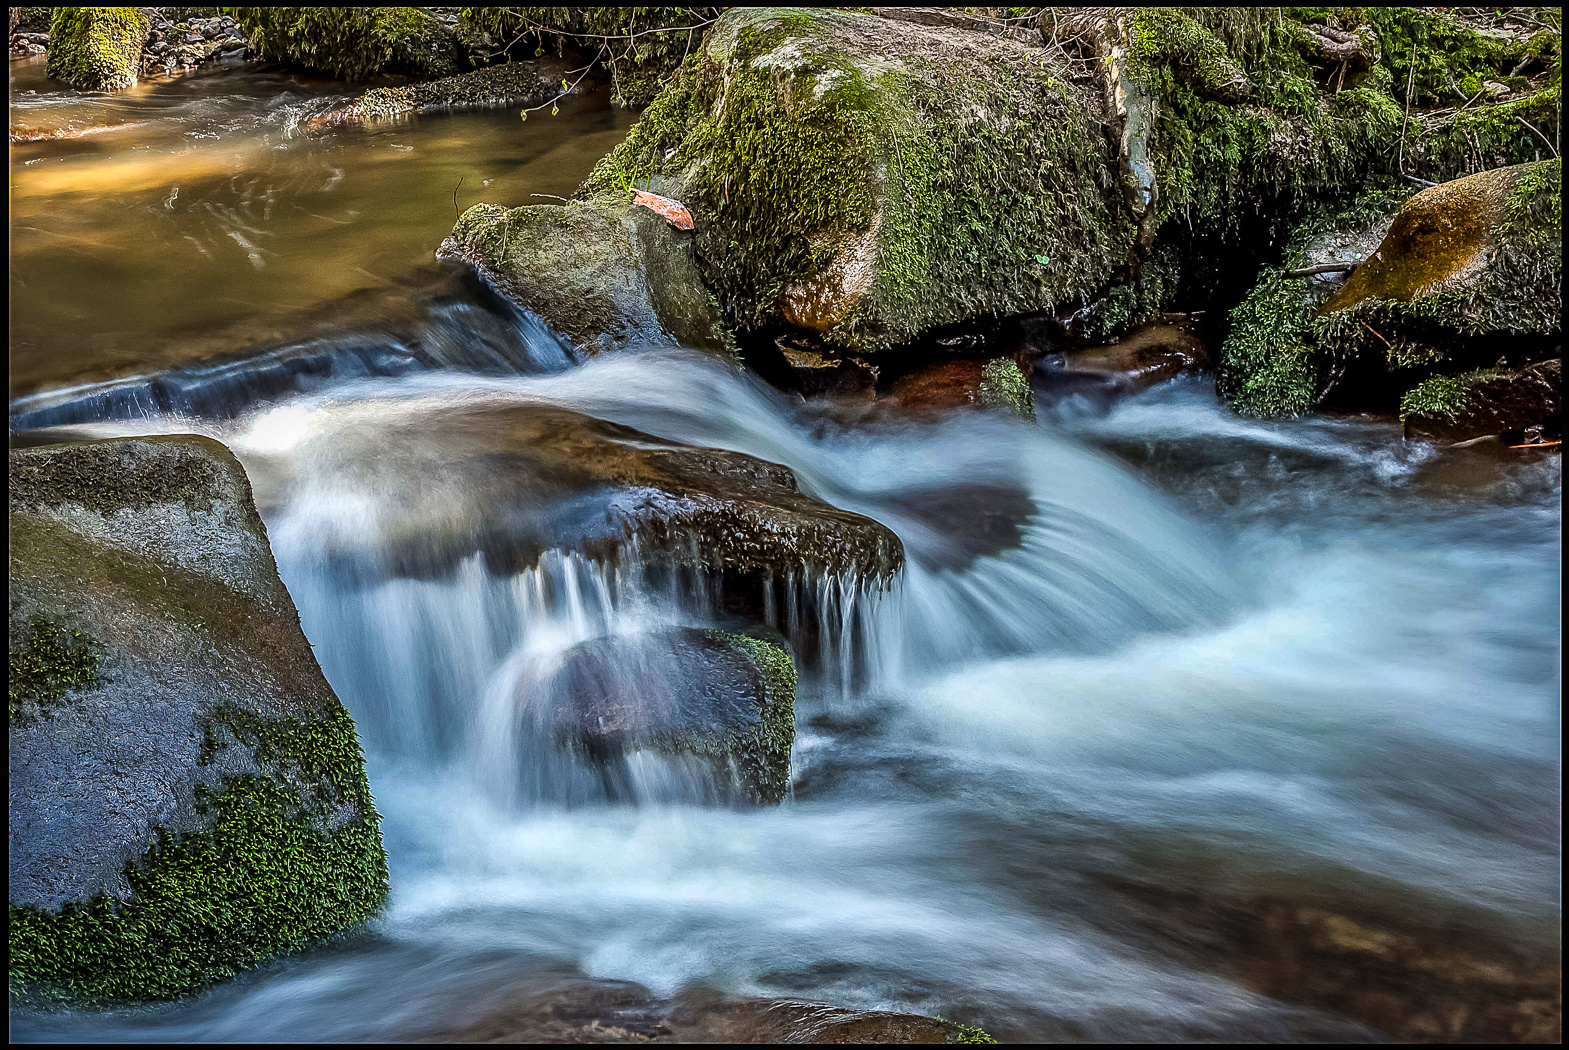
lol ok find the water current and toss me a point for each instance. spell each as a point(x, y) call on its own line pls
point(1224, 661)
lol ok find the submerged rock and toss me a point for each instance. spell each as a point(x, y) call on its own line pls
point(514, 479)
point(188, 797)
point(606, 277)
point(97, 48)
point(723, 697)
point(577, 1010)
point(870, 179)
point(1150, 354)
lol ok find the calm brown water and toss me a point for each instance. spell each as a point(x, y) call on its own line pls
point(193, 216)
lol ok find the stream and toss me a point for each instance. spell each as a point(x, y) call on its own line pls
point(1225, 661)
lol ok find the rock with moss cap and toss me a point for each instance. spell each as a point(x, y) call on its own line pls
point(353, 42)
point(997, 384)
point(1525, 402)
point(97, 48)
point(188, 797)
point(870, 179)
point(1464, 262)
point(1439, 283)
point(723, 699)
point(606, 276)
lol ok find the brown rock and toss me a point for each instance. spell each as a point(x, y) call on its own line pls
point(1150, 354)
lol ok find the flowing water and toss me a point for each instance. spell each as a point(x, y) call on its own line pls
point(1220, 659)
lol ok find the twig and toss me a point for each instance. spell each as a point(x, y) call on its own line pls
point(455, 190)
point(1309, 271)
point(1419, 182)
point(1538, 444)
point(1381, 339)
point(1538, 133)
point(1400, 158)
point(552, 196)
point(568, 91)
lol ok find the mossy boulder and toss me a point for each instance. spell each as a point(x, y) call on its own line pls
point(725, 699)
point(1478, 256)
point(97, 48)
point(188, 797)
point(605, 276)
point(1444, 281)
point(870, 179)
point(512, 83)
point(512, 480)
point(1487, 401)
point(352, 42)
point(31, 19)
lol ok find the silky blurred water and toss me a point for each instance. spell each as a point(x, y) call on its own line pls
point(1230, 656)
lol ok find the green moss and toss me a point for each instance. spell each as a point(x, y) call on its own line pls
point(97, 48)
point(1127, 305)
point(1267, 361)
point(963, 1033)
point(765, 757)
point(49, 665)
point(277, 868)
point(1275, 359)
point(349, 42)
point(1445, 397)
point(1003, 386)
point(652, 45)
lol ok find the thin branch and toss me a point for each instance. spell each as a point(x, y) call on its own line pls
point(1419, 182)
point(552, 196)
point(1309, 271)
point(1400, 159)
point(455, 190)
point(1538, 134)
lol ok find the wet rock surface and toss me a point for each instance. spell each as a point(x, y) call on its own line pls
point(1409, 979)
point(168, 708)
point(582, 1011)
point(1148, 355)
point(995, 384)
point(513, 83)
point(513, 479)
point(726, 698)
point(606, 277)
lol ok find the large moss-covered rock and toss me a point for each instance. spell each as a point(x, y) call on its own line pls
point(352, 42)
point(188, 797)
point(604, 276)
point(97, 48)
point(514, 479)
point(725, 698)
point(869, 179)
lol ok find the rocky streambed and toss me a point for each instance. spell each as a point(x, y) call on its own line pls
point(934, 522)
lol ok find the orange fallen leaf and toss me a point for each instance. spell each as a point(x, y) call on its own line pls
point(675, 212)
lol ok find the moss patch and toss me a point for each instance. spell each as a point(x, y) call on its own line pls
point(97, 48)
point(765, 757)
point(277, 868)
point(350, 42)
point(51, 663)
